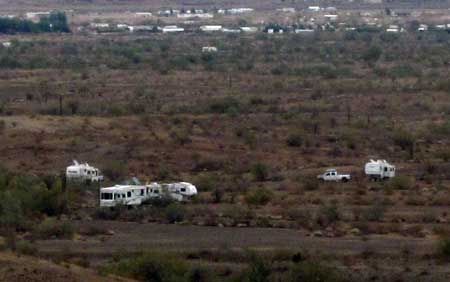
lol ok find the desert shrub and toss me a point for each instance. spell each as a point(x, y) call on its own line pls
point(429, 216)
point(180, 137)
point(26, 248)
point(400, 182)
point(2, 126)
point(259, 196)
point(108, 213)
point(225, 105)
point(294, 139)
point(375, 212)
point(217, 195)
point(405, 141)
point(50, 227)
point(206, 182)
point(114, 170)
point(314, 272)
point(160, 202)
point(328, 213)
point(309, 183)
point(175, 213)
point(260, 171)
point(151, 267)
point(258, 270)
point(443, 249)
point(199, 274)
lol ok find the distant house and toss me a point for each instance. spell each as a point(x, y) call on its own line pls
point(287, 10)
point(209, 49)
point(423, 27)
point(141, 28)
point(331, 17)
point(172, 28)
point(230, 30)
point(393, 29)
point(209, 28)
point(99, 25)
point(6, 44)
point(36, 15)
point(192, 15)
point(249, 29)
point(314, 8)
point(143, 14)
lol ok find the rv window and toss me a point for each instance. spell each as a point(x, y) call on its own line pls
point(147, 190)
point(385, 169)
point(183, 189)
point(128, 194)
point(142, 192)
point(106, 196)
point(123, 196)
point(156, 191)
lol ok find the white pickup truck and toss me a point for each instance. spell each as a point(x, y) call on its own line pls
point(333, 175)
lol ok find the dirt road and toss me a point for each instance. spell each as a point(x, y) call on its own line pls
point(135, 236)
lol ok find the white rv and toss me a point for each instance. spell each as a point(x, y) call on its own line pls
point(379, 170)
point(83, 172)
point(135, 194)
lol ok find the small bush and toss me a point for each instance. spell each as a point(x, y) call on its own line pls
point(175, 213)
point(199, 274)
point(310, 183)
point(400, 183)
point(328, 214)
point(150, 267)
point(294, 139)
point(374, 213)
point(260, 171)
point(26, 248)
point(51, 228)
point(260, 196)
point(258, 270)
point(314, 272)
point(444, 249)
point(108, 213)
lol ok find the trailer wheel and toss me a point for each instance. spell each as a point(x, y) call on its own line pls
point(345, 179)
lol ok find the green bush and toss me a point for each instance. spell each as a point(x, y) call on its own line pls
point(314, 272)
point(151, 267)
point(375, 212)
point(175, 213)
point(294, 139)
point(260, 171)
point(400, 182)
point(199, 274)
point(52, 228)
point(260, 196)
point(443, 250)
point(258, 270)
point(26, 248)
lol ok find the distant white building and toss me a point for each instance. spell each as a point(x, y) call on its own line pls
point(249, 29)
point(302, 30)
point(6, 44)
point(99, 25)
point(331, 17)
point(423, 27)
point(36, 15)
point(137, 28)
point(192, 15)
point(235, 11)
point(314, 8)
point(143, 14)
point(287, 10)
point(172, 28)
point(230, 30)
point(209, 28)
point(209, 49)
point(393, 29)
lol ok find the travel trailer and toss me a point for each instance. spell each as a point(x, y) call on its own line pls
point(134, 194)
point(379, 170)
point(83, 172)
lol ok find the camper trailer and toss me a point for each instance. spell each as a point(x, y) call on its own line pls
point(379, 170)
point(134, 194)
point(83, 172)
